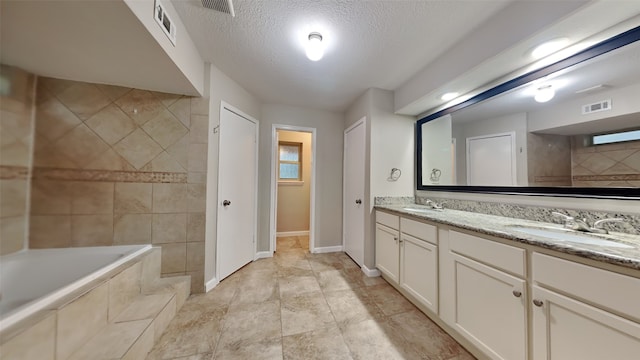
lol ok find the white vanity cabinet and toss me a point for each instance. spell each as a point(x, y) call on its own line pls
point(581, 312)
point(388, 245)
point(419, 261)
point(483, 294)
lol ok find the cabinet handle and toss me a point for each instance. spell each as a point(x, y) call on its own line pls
point(517, 293)
point(538, 303)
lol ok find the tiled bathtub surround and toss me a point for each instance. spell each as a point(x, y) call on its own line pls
point(605, 165)
point(631, 224)
point(116, 166)
point(16, 142)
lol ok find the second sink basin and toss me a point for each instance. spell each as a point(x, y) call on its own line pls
point(418, 209)
point(569, 235)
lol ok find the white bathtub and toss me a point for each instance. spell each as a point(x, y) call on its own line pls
point(33, 280)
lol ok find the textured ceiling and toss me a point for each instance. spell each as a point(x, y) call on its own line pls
point(369, 44)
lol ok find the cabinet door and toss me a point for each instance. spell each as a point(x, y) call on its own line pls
point(490, 309)
point(387, 251)
point(419, 270)
point(564, 328)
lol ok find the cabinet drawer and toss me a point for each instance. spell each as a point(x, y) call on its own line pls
point(504, 257)
point(419, 230)
point(392, 221)
point(606, 289)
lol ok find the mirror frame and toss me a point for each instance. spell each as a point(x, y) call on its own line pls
point(603, 47)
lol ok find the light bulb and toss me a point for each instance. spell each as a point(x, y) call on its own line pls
point(449, 96)
point(314, 47)
point(548, 48)
point(544, 94)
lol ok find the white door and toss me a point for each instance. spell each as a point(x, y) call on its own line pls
point(237, 179)
point(491, 160)
point(353, 201)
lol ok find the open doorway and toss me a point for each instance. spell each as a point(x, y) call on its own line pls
point(292, 190)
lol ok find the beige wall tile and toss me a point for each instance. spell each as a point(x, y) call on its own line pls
point(49, 156)
point(165, 129)
point(198, 157)
point(35, 343)
point(83, 99)
point(169, 198)
point(196, 198)
point(49, 231)
point(180, 151)
point(199, 130)
point(81, 145)
point(182, 110)
point(199, 106)
point(88, 313)
point(166, 98)
point(197, 281)
point(123, 288)
point(140, 105)
point(56, 86)
point(164, 163)
point(138, 148)
point(16, 153)
point(163, 319)
point(110, 160)
point(12, 234)
point(13, 197)
point(92, 230)
point(195, 177)
point(54, 119)
point(132, 198)
point(195, 227)
point(92, 197)
point(169, 228)
point(113, 92)
point(111, 124)
point(173, 258)
point(129, 229)
point(195, 256)
point(50, 197)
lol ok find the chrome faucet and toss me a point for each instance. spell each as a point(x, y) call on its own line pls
point(572, 223)
point(598, 228)
point(434, 205)
point(581, 225)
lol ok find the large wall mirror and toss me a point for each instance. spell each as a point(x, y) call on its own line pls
point(572, 129)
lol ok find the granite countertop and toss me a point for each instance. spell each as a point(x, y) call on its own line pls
point(503, 227)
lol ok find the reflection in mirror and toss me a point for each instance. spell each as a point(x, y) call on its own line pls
point(515, 139)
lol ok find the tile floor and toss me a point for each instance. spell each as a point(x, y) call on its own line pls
point(298, 305)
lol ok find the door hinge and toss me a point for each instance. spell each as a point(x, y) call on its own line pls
point(216, 129)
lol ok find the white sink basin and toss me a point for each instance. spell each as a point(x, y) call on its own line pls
point(570, 236)
point(416, 209)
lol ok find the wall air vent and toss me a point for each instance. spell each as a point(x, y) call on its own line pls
point(224, 6)
point(603, 105)
point(163, 19)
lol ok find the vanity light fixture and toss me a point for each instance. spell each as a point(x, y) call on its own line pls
point(545, 49)
point(544, 94)
point(315, 50)
point(449, 96)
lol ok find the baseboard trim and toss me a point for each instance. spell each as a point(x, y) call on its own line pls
point(327, 249)
point(370, 272)
point(293, 233)
point(262, 255)
point(211, 284)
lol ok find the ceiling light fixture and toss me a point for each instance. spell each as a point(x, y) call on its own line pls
point(549, 47)
point(544, 94)
point(315, 50)
point(449, 96)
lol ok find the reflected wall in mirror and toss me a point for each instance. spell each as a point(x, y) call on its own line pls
point(511, 139)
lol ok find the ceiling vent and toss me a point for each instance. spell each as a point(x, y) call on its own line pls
point(603, 105)
point(224, 6)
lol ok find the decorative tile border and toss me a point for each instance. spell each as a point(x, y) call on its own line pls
point(613, 177)
point(14, 172)
point(631, 224)
point(40, 173)
point(552, 179)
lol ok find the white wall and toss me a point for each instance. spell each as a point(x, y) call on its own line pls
point(220, 88)
point(514, 122)
point(329, 143)
point(436, 151)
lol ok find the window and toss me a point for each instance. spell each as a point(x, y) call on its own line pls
point(615, 137)
point(290, 161)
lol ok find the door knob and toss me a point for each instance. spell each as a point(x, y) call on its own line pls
point(358, 201)
point(226, 203)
